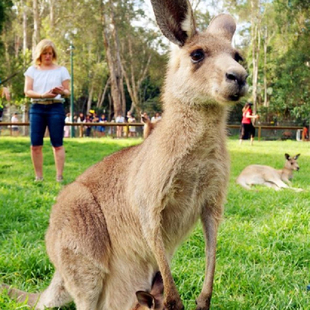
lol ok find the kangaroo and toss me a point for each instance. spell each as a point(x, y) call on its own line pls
point(152, 300)
point(120, 222)
point(268, 176)
point(148, 125)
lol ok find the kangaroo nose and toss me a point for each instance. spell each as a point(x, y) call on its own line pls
point(234, 76)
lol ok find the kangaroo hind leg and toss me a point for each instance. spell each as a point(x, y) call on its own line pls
point(55, 295)
point(84, 280)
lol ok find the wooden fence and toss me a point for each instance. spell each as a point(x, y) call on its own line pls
point(286, 134)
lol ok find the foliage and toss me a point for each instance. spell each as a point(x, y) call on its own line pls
point(263, 244)
point(273, 35)
point(5, 5)
point(276, 39)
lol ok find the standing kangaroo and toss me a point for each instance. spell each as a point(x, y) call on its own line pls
point(268, 176)
point(108, 236)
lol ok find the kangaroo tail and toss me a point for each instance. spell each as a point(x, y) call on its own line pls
point(21, 296)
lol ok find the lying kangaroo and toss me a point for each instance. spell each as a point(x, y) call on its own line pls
point(121, 221)
point(265, 175)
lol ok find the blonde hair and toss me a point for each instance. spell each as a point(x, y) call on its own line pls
point(40, 48)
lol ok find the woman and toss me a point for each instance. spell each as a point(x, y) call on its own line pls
point(47, 83)
point(247, 129)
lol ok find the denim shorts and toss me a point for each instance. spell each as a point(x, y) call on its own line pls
point(51, 116)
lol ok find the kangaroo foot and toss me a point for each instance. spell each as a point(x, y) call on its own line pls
point(173, 305)
point(203, 304)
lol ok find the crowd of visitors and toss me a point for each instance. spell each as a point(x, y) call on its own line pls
point(86, 129)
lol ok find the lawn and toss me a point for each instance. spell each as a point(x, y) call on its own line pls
point(263, 254)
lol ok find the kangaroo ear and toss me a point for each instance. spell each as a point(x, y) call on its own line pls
point(157, 285)
point(222, 25)
point(287, 156)
point(296, 156)
point(175, 19)
point(154, 299)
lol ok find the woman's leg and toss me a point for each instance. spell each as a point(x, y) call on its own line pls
point(37, 130)
point(59, 156)
point(37, 160)
point(56, 123)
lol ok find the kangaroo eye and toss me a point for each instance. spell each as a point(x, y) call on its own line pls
point(197, 56)
point(238, 57)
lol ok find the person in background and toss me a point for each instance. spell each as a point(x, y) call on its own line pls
point(15, 128)
point(119, 129)
point(88, 119)
point(47, 84)
point(247, 129)
point(156, 117)
point(96, 119)
point(81, 119)
point(132, 129)
point(4, 93)
point(102, 119)
point(67, 128)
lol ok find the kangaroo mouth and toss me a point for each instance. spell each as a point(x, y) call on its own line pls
point(235, 97)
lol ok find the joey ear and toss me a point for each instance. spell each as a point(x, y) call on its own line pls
point(222, 25)
point(287, 156)
point(146, 299)
point(296, 156)
point(175, 19)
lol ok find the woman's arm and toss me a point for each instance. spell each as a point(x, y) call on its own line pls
point(62, 90)
point(248, 115)
point(4, 92)
point(30, 93)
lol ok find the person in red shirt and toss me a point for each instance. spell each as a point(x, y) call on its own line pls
point(247, 129)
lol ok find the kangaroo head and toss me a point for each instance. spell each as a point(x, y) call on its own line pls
point(291, 162)
point(205, 68)
point(153, 300)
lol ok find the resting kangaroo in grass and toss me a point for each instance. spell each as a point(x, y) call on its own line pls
point(108, 236)
point(265, 175)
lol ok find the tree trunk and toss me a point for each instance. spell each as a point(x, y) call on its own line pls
point(36, 24)
point(52, 14)
point(113, 59)
point(101, 97)
point(90, 97)
point(134, 80)
point(266, 103)
point(25, 37)
point(255, 34)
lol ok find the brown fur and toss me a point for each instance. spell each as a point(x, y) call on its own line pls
point(152, 300)
point(268, 176)
point(121, 221)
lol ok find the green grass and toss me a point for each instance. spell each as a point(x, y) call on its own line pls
point(263, 254)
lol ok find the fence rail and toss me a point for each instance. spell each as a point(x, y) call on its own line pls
point(259, 128)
